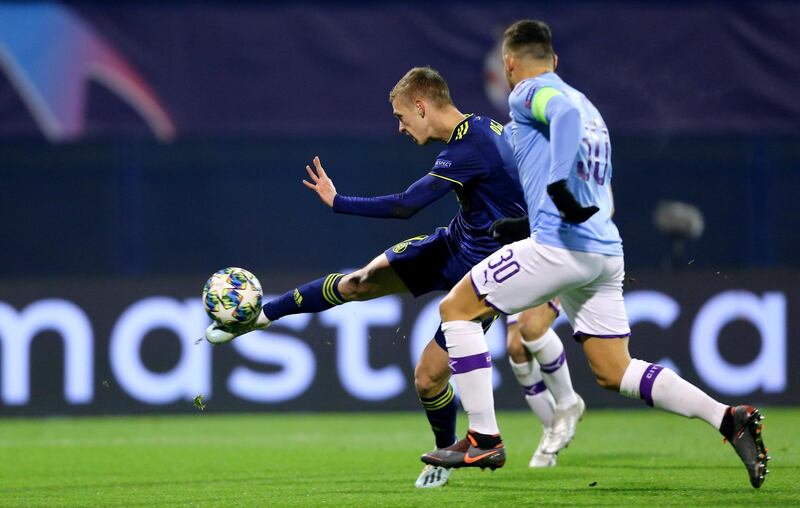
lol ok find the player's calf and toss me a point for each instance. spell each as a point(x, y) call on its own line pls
point(608, 380)
point(425, 385)
point(514, 348)
point(437, 397)
point(609, 360)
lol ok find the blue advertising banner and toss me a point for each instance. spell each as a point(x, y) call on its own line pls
point(102, 346)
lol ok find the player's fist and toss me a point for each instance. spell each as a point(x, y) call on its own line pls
point(320, 183)
point(568, 206)
point(507, 231)
point(582, 214)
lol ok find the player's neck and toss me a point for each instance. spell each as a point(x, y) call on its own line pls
point(533, 70)
point(450, 119)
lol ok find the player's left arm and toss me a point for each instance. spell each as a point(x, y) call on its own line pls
point(420, 194)
point(404, 205)
point(553, 108)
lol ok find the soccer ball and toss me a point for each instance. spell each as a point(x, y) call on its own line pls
point(232, 295)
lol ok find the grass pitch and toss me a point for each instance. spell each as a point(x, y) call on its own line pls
point(618, 458)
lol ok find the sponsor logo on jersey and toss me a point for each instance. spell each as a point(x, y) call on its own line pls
point(442, 163)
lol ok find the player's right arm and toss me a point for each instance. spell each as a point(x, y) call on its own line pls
point(420, 194)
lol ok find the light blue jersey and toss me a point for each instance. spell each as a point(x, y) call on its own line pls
point(588, 171)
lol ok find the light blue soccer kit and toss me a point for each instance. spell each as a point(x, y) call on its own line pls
point(562, 147)
point(558, 134)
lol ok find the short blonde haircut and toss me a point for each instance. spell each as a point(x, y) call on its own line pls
point(422, 82)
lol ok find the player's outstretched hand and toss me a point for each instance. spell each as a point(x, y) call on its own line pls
point(320, 183)
point(507, 230)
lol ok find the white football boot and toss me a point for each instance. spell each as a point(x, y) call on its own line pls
point(564, 423)
point(218, 333)
point(541, 458)
point(433, 476)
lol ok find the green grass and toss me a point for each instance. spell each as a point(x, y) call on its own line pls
point(635, 458)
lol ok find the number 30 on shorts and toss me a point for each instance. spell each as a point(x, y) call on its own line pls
point(502, 265)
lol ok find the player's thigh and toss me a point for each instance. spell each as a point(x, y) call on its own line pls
point(597, 309)
point(372, 281)
point(526, 274)
point(425, 263)
point(462, 303)
point(432, 371)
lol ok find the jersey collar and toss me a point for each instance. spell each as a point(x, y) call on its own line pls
point(455, 129)
point(551, 73)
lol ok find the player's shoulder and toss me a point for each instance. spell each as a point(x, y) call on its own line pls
point(461, 149)
point(471, 139)
point(525, 90)
point(461, 133)
point(472, 130)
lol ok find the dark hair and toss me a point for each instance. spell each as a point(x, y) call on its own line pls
point(425, 82)
point(529, 38)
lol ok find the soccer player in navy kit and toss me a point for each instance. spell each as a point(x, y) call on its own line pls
point(563, 152)
point(478, 165)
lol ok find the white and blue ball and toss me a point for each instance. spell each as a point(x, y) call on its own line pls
point(232, 295)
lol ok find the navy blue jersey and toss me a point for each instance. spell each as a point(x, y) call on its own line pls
point(479, 161)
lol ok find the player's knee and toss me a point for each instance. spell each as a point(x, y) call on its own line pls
point(448, 309)
point(608, 379)
point(533, 329)
point(356, 286)
point(534, 323)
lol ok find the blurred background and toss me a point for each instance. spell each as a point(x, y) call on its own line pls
point(145, 145)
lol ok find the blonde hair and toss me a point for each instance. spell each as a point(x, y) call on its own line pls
point(424, 82)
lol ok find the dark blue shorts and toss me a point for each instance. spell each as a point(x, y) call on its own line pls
point(426, 263)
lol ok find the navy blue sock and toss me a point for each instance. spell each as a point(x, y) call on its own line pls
point(314, 296)
point(441, 412)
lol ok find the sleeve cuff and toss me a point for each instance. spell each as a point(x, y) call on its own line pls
point(337, 202)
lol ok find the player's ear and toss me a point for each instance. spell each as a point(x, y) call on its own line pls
point(508, 62)
point(555, 62)
point(420, 105)
point(508, 69)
